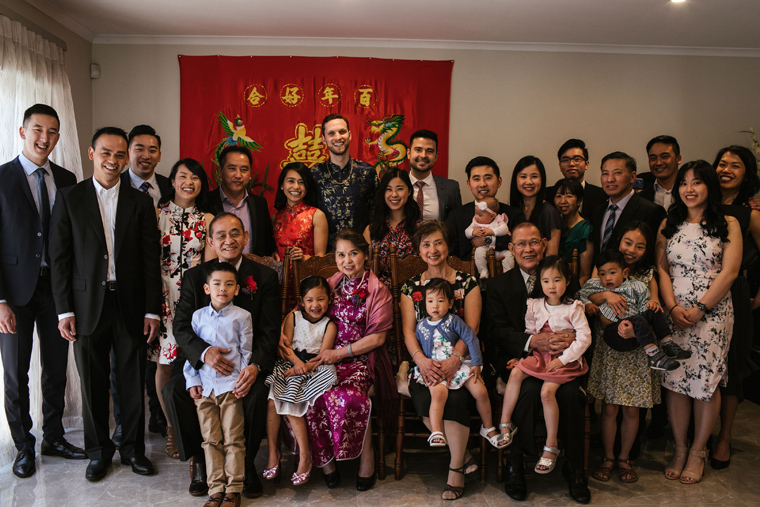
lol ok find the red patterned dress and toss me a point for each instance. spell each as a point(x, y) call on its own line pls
point(294, 227)
point(398, 237)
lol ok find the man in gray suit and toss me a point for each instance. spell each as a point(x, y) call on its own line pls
point(438, 195)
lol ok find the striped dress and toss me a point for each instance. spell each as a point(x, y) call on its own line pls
point(294, 395)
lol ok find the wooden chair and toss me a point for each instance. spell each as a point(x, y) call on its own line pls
point(282, 268)
point(401, 271)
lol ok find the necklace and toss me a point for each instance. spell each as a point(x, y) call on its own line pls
point(343, 284)
point(329, 172)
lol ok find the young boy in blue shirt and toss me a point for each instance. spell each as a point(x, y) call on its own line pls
point(220, 407)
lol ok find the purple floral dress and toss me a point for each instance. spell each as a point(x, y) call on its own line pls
point(338, 420)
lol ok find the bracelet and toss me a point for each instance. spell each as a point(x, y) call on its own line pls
point(419, 350)
point(671, 308)
point(460, 356)
point(350, 352)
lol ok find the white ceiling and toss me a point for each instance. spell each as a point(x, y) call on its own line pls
point(693, 25)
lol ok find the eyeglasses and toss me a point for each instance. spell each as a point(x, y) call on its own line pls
point(520, 245)
point(576, 159)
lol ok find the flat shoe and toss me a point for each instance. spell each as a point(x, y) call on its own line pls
point(63, 449)
point(506, 438)
point(495, 440)
point(547, 462)
point(437, 435)
point(603, 473)
point(23, 465)
point(627, 475)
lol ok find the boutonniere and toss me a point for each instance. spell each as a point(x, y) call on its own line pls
point(417, 296)
point(359, 296)
point(249, 286)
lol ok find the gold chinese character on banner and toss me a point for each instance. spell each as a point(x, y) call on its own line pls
point(306, 146)
point(365, 96)
point(291, 95)
point(256, 95)
point(329, 95)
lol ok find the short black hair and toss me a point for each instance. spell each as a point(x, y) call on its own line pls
point(219, 216)
point(333, 116)
point(569, 185)
point(143, 130)
point(669, 140)
point(570, 144)
point(424, 134)
point(611, 255)
point(215, 267)
point(479, 161)
point(439, 285)
point(40, 109)
point(235, 149)
point(312, 282)
point(630, 162)
point(109, 131)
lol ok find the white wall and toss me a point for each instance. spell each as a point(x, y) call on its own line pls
point(504, 104)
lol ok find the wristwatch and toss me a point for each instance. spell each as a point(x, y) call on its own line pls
point(703, 308)
point(460, 356)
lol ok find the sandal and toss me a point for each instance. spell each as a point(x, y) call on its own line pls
point(457, 490)
point(603, 473)
point(672, 473)
point(437, 435)
point(171, 443)
point(506, 438)
point(627, 475)
point(495, 440)
point(548, 463)
point(690, 477)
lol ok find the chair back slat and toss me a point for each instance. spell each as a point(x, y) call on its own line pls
point(323, 266)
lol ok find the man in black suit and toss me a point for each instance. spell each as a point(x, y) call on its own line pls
point(259, 294)
point(439, 195)
point(30, 184)
point(105, 252)
point(664, 158)
point(144, 147)
point(483, 180)
point(506, 339)
point(623, 206)
point(233, 197)
point(573, 163)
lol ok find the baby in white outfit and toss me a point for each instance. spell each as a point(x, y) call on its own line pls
point(488, 223)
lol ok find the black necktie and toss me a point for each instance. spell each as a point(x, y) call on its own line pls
point(44, 199)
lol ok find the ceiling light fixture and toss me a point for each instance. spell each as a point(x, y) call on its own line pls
point(677, 1)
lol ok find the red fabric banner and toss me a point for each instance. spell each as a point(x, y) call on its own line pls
point(274, 105)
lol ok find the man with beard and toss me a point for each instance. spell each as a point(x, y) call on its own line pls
point(435, 195)
point(345, 186)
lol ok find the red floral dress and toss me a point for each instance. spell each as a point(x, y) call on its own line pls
point(398, 237)
point(183, 235)
point(294, 227)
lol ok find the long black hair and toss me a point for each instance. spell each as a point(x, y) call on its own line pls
point(202, 201)
point(280, 201)
point(751, 183)
point(378, 229)
point(647, 260)
point(516, 198)
point(713, 222)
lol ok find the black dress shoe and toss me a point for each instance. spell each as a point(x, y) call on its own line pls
point(140, 464)
point(63, 449)
point(365, 483)
point(252, 487)
point(23, 465)
point(577, 485)
point(198, 484)
point(116, 437)
point(332, 479)
point(514, 485)
point(97, 469)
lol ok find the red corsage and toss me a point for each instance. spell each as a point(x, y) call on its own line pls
point(249, 286)
point(416, 297)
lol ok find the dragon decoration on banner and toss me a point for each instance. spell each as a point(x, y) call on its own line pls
point(392, 151)
point(236, 136)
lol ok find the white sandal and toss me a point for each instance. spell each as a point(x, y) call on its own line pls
point(506, 438)
point(495, 440)
point(547, 462)
point(437, 435)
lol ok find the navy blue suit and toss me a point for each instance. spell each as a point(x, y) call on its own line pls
point(27, 290)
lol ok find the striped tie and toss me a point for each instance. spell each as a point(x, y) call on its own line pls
point(145, 187)
point(609, 227)
point(531, 283)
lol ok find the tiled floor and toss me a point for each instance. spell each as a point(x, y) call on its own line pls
point(59, 482)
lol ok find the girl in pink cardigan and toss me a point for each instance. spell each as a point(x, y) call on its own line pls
point(549, 310)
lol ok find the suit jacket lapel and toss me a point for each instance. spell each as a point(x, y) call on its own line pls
point(125, 209)
point(90, 204)
point(20, 176)
point(252, 215)
point(628, 214)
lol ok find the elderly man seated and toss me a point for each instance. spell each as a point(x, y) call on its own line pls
point(506, 339)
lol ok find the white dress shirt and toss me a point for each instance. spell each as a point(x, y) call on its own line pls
point(429, 195)
point(154, 192)
point(662, 197)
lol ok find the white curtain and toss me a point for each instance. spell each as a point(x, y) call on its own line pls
point(32, 71)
